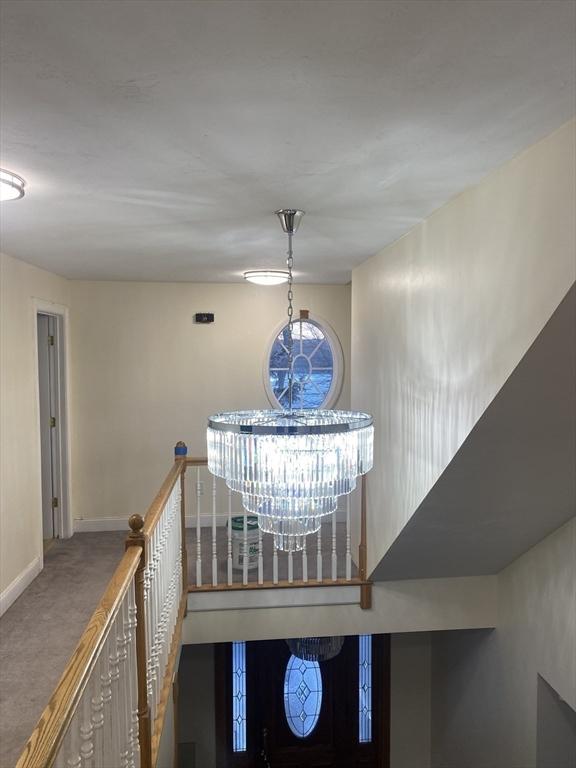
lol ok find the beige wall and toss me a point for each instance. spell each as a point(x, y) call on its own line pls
point(485, 684)
point(397, 606)
point(196, 703)
point(410, 700)
point(146, 376)
point(442, 317)
point(20, 494)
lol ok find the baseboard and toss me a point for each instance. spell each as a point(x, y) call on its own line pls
point(206, 521)
point(95, 524)
point(23, 580)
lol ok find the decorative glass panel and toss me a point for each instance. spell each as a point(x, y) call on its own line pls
point(239, 697)
point(302, 695)
point(364, 688)
point(313, 365)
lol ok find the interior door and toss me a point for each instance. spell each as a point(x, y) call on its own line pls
point(334, 741)
point(48, 401)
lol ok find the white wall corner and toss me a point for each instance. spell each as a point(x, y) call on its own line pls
point(20, 583)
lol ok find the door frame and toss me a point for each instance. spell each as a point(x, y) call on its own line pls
point(63, 520)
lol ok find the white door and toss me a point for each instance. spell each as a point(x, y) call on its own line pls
point(49, 415)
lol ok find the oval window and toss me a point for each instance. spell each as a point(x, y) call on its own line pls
point(302, 695)
point(317, 366)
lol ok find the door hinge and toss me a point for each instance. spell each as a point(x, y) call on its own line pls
point(52, 421)
point(50, 341)
point(54, 502)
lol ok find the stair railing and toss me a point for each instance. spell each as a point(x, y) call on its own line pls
point(109, 707)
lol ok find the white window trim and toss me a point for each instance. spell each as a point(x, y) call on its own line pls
point(337, 358)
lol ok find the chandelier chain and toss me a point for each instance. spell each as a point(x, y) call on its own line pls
point(290, 297)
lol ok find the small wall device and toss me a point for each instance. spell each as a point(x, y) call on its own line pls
point(204, 317)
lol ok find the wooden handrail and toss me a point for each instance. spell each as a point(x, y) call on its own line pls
point(355, 581)
point(42, 746)
point(196, 461)
point(155, 509)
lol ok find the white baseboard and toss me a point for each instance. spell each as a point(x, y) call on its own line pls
point(206, 521)
point(23, 580)
point(95, 524)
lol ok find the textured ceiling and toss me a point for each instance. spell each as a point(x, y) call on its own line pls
point(158, 137)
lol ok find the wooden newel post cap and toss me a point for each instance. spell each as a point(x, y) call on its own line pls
point(136, 524)
point(180, 449)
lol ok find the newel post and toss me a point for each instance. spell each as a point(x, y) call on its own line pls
point(366, 587)
point(180, 453)
point(136, 538)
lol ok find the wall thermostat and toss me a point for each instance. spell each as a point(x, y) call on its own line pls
point(204, 317)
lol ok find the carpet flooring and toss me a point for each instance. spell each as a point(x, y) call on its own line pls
point(40, 630)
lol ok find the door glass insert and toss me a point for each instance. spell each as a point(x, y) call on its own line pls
point(302, 695)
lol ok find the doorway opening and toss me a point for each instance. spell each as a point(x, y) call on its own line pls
point(53, 426)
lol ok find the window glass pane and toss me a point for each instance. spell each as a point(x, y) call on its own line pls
point(302, 695)
point(239, 697)
point(364, 688)
point(313, 365)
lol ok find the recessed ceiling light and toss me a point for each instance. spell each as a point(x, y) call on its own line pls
point(11, 185)
point(266, 276)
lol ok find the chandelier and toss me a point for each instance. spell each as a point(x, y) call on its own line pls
point(290, 466)
point(315, 648)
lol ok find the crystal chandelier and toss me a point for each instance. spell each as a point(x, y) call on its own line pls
point(290, 466)
point(315, 648)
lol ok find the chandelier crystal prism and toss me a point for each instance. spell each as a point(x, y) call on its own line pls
point(290, 466)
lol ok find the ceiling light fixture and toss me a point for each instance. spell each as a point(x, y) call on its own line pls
point(315, 648)
point(11, 186)
point(267, 276)
point(290, 466)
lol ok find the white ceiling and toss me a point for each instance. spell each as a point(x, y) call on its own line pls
point(157, 137)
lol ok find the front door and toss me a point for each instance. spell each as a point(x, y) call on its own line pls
point(333, 715)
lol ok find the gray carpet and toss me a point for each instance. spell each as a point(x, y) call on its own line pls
point(40, 630)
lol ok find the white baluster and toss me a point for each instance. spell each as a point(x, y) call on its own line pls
point(133, 677)
point(290, 567)
point(260, 558)
point(125, 708)
point(114, 657)
point(319, 555)
point(275, 563)
point(245, 555)
point(198, 530)
point(304, 560)
point(334, 560)
point(73, 742)
point(229, 558)
point(106, 688)
point(97, 712)
point(86, 727)
point(214, 552)
point(348, 543)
